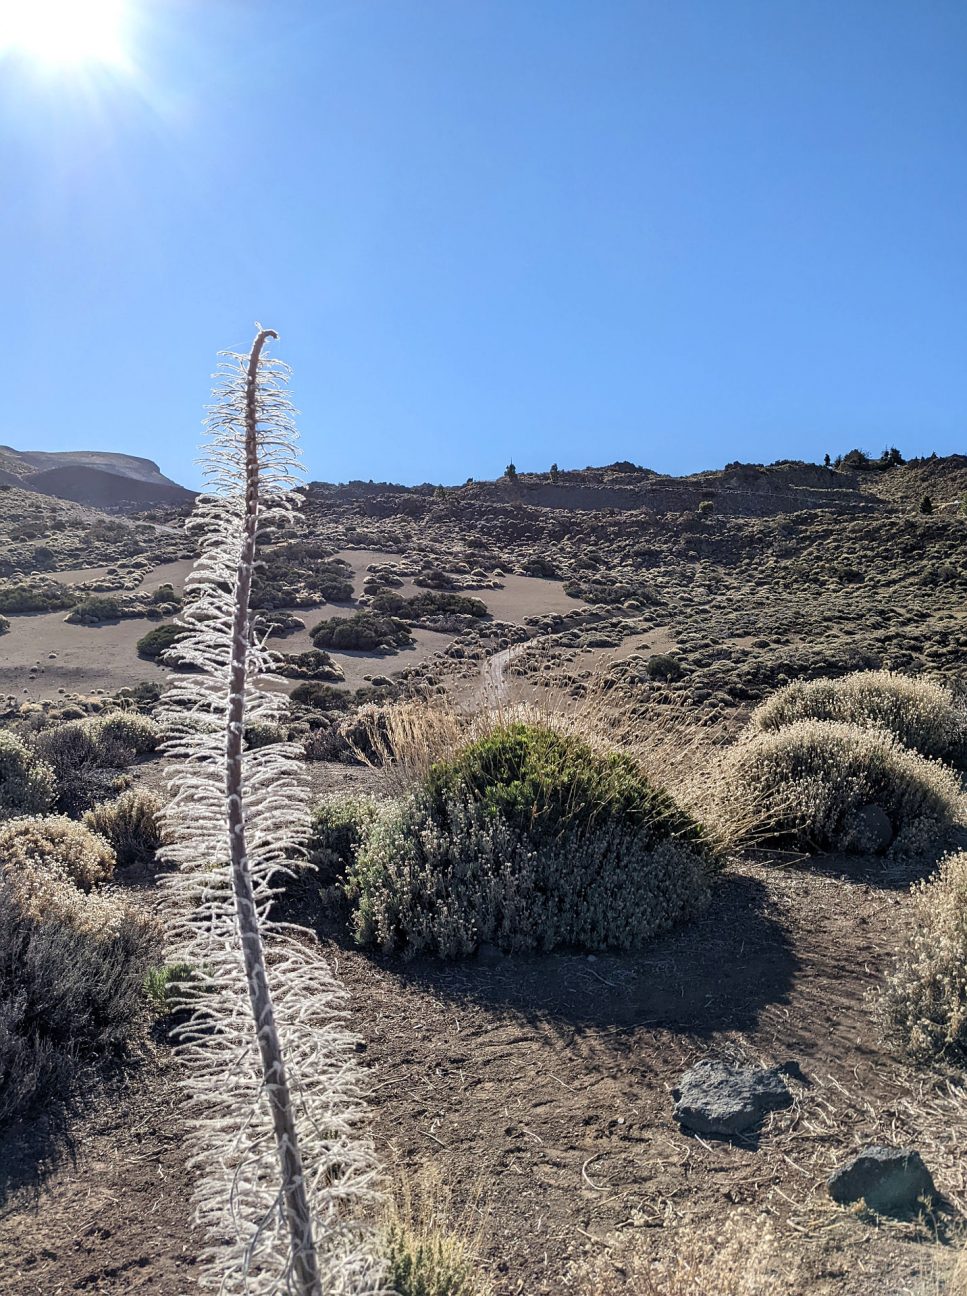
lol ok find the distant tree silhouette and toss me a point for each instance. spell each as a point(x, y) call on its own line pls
point(510, 471)
point(926, 504)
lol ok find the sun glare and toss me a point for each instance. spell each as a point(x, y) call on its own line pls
point(64, 32)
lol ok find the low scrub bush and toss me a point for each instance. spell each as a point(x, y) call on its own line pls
point(72, 973)
point(44, 596)
point(95, 609)
point(312, 665)
point(819, 786)
point(131, 825)
point(157, 642)
point(924, 1000)
point(922, 715)
point(86, 755)
point(127, 731)
point(362, 632)
point(433, 603)
point(337, 830)
point(56, 845)
point(431, 1247)
point(27, 783)
point(323, 697)
point(528, 839)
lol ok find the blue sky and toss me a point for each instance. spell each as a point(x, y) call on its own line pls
point(681, 233)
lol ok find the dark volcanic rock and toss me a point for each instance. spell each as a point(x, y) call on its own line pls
point(720, 1098)
point(890, 1180)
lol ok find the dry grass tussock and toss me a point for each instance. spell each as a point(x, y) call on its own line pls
point(745, 1260)
point(432, 1246)
point(407, 738)
point(924, 999)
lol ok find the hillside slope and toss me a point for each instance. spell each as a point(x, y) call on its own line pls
point(99, 478)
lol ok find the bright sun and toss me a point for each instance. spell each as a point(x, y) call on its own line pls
point(64, 31)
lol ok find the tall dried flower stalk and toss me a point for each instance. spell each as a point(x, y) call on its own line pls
point(285, 1173)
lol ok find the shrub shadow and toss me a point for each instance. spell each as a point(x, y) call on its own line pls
point(715, 974)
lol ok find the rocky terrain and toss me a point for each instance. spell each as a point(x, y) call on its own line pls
point(541, 1085)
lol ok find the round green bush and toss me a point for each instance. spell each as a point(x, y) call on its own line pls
point(153, 645)
point(528, 839)
point(362, 632)
point(128, 730)
point(337, 830)
point(923, 715)
point(27, 783)
point(811, 785)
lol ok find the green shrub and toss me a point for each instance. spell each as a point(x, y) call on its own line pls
point(264, 735)
point(323, 697)
point(662, 666)
point(27, 784)
point(924, 1000)
point(72, 972)
point(530, 840)
point(86, 755)
point(426, 1261)
point(920, 714)
point(56, 844)
point(153, 645)
point(44, 596)
point(431, 604)
point(337, 830)
point(312, 665)
point(165, 986)
point(4, 625)
point(811, 785)
point(95, 609)
point(131, 825)
point(362, 632)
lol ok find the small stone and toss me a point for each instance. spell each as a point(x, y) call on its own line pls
point(892, 1181)
point(717, 1097)
point(488, 954)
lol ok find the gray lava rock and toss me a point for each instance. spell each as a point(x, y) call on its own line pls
point(890, 1180)
point(870, 829)
point(720, 1098)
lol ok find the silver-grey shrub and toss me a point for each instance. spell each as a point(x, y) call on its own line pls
point(922, 714)
point(27, 783)
point(529, 840)
point(806, 785)
point(924, 998)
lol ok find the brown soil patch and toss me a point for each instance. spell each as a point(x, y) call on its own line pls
point(543, 1085)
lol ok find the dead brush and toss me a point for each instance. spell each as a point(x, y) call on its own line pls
point(746, 1259)
point(406, 739)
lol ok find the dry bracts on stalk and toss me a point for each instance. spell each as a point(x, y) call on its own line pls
point(285, 1172)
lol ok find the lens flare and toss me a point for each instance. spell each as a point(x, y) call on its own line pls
point(64, 32)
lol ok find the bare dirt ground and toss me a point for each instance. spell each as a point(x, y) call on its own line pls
point(541, 1088)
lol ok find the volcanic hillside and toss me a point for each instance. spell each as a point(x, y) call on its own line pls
point(114, 482)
